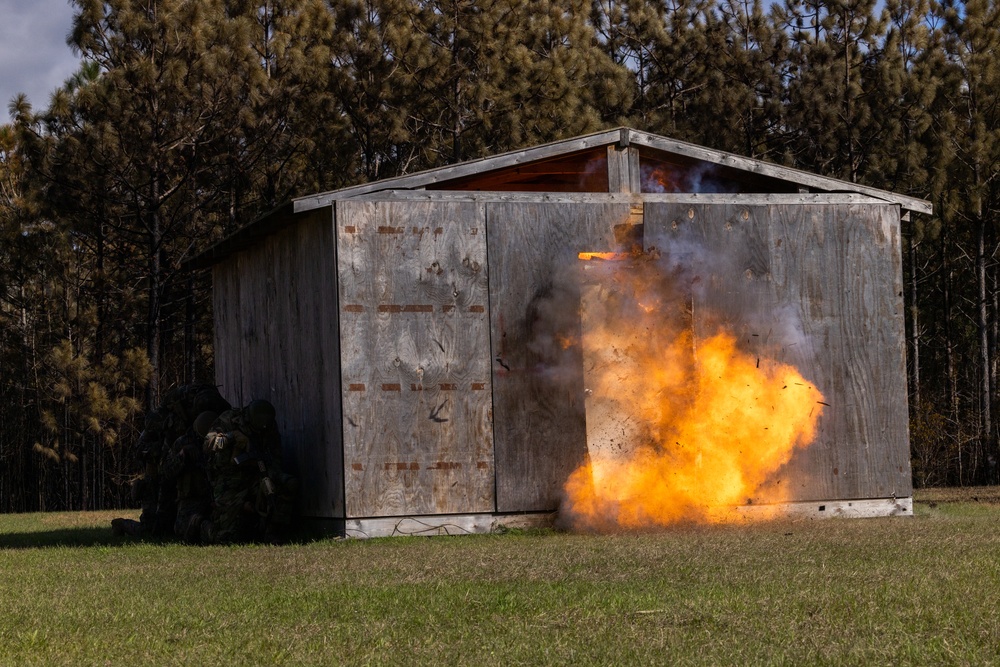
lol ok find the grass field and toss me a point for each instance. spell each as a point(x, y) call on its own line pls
point(907, 591)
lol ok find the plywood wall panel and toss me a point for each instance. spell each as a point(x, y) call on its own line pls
point(416, 381)
point(843, 265)
point(538, 390)
point(817, 287)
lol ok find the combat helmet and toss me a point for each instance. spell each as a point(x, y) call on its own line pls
point(260, 415)
point(206, 398)
point(203, 422)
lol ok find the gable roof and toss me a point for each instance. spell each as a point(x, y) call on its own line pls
point(622, 137)
point(766, 175)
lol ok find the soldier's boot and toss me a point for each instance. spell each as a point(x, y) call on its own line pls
point(272, 534)
point(192, 533)
point(130, 527)
point(207, 532)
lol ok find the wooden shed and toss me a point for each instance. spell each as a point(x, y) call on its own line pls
point(391, 324)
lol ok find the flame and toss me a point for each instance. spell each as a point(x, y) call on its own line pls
point(606, 256)
point(679, 428)
point(661, 179)
point(565, 342)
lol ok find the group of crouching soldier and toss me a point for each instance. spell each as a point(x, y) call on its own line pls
point(211, 473)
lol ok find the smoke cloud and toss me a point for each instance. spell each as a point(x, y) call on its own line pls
point(689, 410)
point(699, 178)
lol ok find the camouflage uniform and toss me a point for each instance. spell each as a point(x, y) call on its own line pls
point(252, 496)
point(184, 469)
point(156, 500)
point(155, 491)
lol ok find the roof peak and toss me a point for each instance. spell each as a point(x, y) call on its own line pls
point(621, 138)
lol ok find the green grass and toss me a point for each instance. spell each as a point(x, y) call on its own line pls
point(920, 591)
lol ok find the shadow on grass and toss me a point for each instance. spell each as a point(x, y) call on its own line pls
point(64, 537)
point(98, 537)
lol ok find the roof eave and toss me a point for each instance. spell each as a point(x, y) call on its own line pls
point(246, 235)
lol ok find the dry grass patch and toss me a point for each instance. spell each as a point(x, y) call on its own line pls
point(966, 494)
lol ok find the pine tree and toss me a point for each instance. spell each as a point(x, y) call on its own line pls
point(53, 298)
point(972, 44)
point(18, 254)
point(629, 32)
point(288, 132)
point(901, 157)
point(574, 86)
point(672, 50)
point(835, 50)
point(174, 79)
point(741, 109)
point(364, 82)
point(462, 79)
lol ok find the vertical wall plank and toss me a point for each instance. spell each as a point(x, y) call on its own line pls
point(416, 386)
point(226, 309)
point(618, 169)
point(623, 169)
point(843, 265)
point(634, 171)
point(538, 389)
point(305, 370)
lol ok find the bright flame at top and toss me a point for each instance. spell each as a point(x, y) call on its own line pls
point(679, 428)
point(606, 256)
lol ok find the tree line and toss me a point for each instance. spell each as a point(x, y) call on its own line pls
point(189, 118)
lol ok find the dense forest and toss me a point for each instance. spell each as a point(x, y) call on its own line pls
point(189, 118)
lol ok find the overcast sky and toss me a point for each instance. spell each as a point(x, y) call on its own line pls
point(34, 58)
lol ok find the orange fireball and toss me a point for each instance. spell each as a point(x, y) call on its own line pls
point(679, 428)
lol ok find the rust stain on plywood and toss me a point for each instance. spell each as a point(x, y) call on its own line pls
point(445, 465)
point(402, 465)
point(408, 308)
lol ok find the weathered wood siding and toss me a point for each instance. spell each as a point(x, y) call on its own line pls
point(414, 307)
point(276, 339)
point(623, 169)
point(538, 390)
point(816, 286)
point(226, 313)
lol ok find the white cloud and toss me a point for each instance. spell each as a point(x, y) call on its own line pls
point(34, 57)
